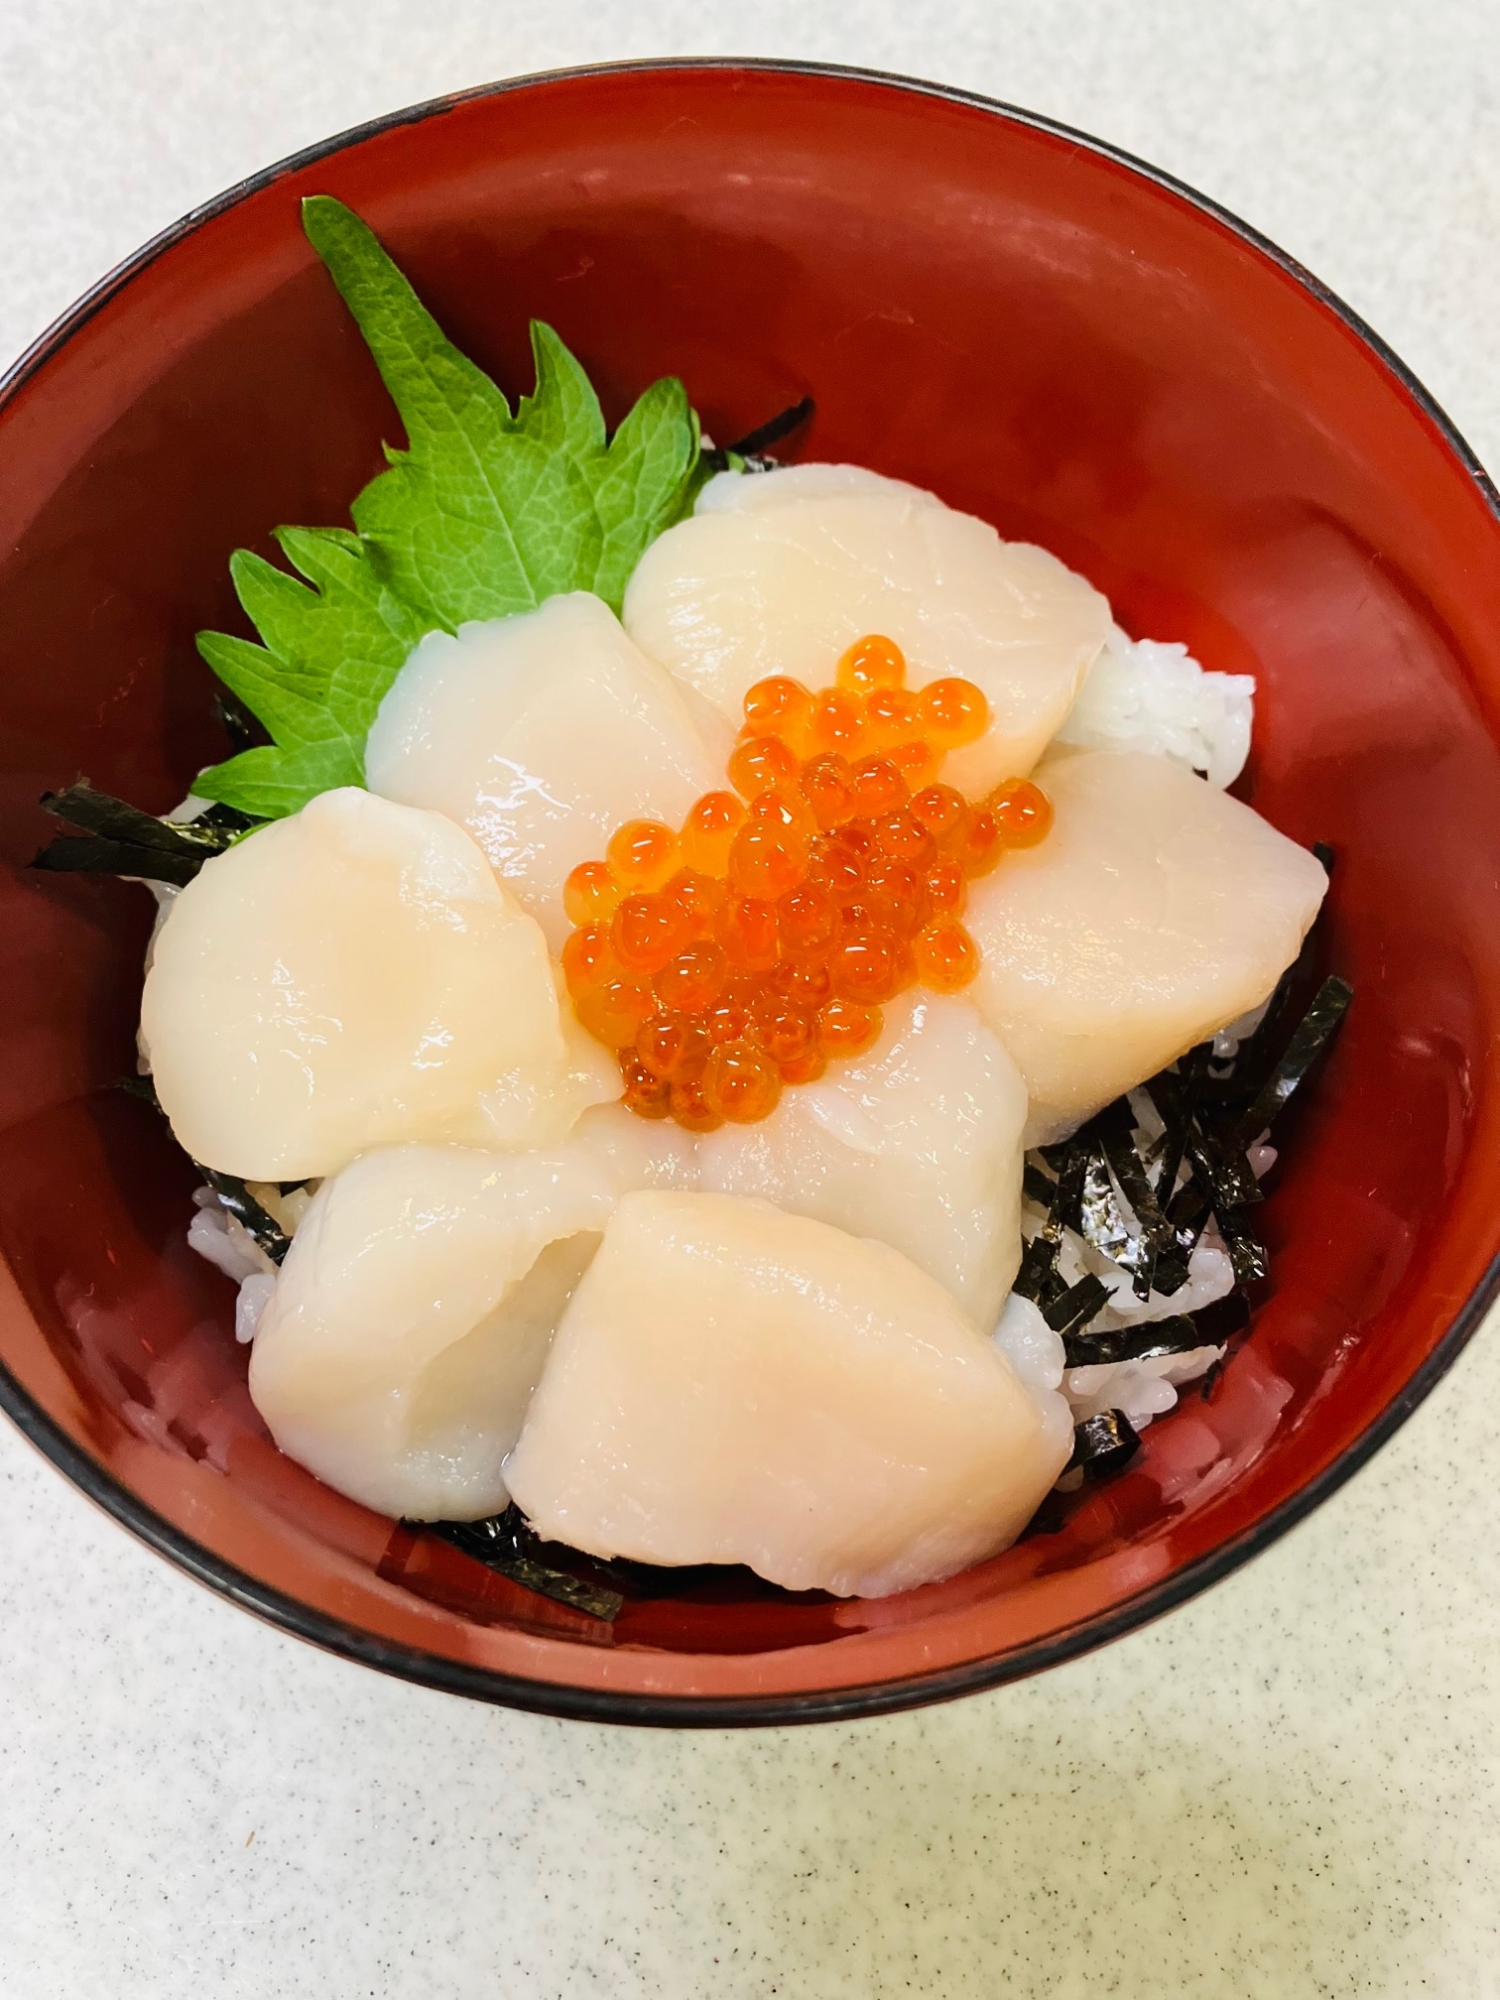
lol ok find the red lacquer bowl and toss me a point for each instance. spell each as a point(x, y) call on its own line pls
point(1048, 334)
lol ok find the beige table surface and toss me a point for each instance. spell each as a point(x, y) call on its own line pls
point(1289, 1788)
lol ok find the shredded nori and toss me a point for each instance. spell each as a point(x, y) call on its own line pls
point(247, 1211)
point(1156, 1259)
point(1144, 1202)
point(1247, 1254)
point(119, 839)
point(1311, 1037)
point(1176, 1333)
point(1075, 1307)
point(1103, 1445)
point(232, 1193)
point(1037, 1278)
point(1101, 1221)
point(507, 1544)
point(244, 730)
point(143, 1087)
point(754, 444)
point(749, 453)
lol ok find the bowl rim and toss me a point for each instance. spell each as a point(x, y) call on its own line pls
point(433, 1670)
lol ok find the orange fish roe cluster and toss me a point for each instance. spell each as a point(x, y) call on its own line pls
point(759, 941)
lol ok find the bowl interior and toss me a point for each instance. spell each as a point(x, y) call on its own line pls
point(1049, 338)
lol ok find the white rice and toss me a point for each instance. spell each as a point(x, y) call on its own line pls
point(1144, 1390)
point(220, 1237)
point(217, 1235)
point(1035, 1352)
point(255, 1296)
point(1151, 695)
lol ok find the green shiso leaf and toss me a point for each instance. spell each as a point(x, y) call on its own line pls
point(333, 645)
point(485, 513)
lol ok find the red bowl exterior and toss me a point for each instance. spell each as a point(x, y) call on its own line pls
point(1048, 334)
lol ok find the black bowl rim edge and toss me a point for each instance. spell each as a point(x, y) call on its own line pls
point(820, 1705)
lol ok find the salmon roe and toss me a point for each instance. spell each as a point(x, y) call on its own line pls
point(745, 951)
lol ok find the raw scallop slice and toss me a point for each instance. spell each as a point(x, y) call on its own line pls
point(778, 572)
point(1155, 912)
point(917, 1142)
point(540, 734)
point(350, 977)
point(412, 1317)
point(730, 1383)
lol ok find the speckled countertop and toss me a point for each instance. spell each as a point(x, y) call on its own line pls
point(1289, 1788)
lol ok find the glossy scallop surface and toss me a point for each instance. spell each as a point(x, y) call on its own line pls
point(413, 1315)
point(777, 573)
point(332, 982)
point(733, 1384)
point(1156, 911)
point(540, 733)
point(916, 1142)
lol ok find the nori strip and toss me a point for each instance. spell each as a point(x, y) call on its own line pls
point(1075, 1307)
point(247, 1211)
point(1256, 1057)
point(1116, 1127)
point(119, 839)
point(1221, 1319)
point(507, 1544)
point(227, 819)
point(232, 1193)
point(1100, 1222)
point(1187, 1212)
point(1157, 1259)
point(143, 1087)
point(98, 812)
point(750, 450)
point(1037, 1278)
point(1070, 1187)
point(1223, 1170)
point(85, 855)
point(1310, 1038)
point(1036, 1186)
point(1247, 1254)
point(754, 443)
point(243, 729)
point(1103, 1445)
point(1176, 1334)
point(1175, 1098)
point(1223, 1322)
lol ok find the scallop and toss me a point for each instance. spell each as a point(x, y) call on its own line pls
point(733, 1384)
point(354, 976)
point(1156, 911)
point(413, 1315)
point(541, 733)
point(917, 1142)
point(778, 572)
